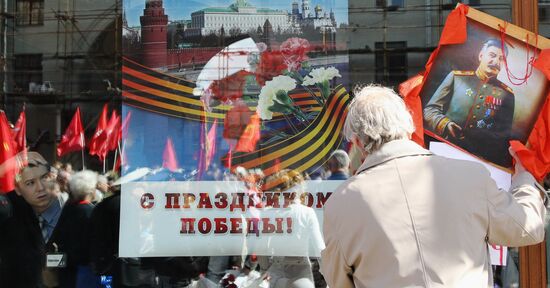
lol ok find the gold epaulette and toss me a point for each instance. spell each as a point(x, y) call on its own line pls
point(505, 87)
point(463, 73)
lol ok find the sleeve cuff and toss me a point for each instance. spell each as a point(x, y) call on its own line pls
point(440, 127)
point(525, 178)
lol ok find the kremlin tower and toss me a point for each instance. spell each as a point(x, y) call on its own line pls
point(153, 34)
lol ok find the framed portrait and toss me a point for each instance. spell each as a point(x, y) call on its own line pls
point(480, 94)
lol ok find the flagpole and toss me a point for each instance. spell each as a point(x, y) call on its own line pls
point(121, 154)
point(83, 147)
point(114, 164)
point(104, 161)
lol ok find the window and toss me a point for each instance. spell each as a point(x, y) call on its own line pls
point(544, 11)
point(28, 68)
point(391, 62)
point(450, 5)
point(390, 3)
point(30, 12)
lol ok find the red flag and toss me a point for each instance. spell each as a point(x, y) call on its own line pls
point(229, 158)
point(20, 132)
point(208, 147)
point(115, 133)
point(73, 139)
point(104, 140)
point(122, 135)
point(95, 143)
point(169, 158)
point(7, 156)
point(125, 124)
point(251, 135)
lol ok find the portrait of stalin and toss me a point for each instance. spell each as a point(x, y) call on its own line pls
point(473, 109)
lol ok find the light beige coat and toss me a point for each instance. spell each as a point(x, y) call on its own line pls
point(409, 218)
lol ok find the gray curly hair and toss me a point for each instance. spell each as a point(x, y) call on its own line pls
point(83, 183)
point(377, 115)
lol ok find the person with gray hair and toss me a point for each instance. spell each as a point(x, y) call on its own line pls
point(338, 165)
point(425, 220)
point(73, 237)
point(82, 185)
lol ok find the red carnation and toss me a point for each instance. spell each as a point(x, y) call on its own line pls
point(272, 63)
point(294, 51)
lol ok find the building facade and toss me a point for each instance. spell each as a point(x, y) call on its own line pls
point(58, 54)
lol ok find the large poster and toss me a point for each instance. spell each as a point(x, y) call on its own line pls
point(235, 106)
point(485, 92)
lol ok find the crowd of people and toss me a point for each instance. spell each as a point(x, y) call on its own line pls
point(421, 224)
point(60, 228)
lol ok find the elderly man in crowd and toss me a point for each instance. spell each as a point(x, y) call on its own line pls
point(338, 165)
point(27, 235)
point(73, 237)
point(425, 220)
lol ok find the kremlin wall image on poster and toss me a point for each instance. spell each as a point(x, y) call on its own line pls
point(180, 37)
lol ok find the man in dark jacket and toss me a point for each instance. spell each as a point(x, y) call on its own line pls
point(26, 234)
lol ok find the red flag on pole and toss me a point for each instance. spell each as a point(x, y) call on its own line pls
point(122, 136)
point(20, 132)
point(8, 167)
point(115, 134)
point(95, 143)
point(124, 128)
point(104, 140)
point(73, 139)
point(169, 158)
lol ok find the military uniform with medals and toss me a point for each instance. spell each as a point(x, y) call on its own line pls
point(484, 111)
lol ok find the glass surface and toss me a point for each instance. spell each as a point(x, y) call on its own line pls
point(192, 137)
point(229, 98)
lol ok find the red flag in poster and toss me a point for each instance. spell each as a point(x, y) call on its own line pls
point(208, 148)
point(169, 158)
point(95, 142)
point(251, 135)
point(20, 132)
point(210, 144)
point(73, 139)
point(7, 156)
point(228, 159)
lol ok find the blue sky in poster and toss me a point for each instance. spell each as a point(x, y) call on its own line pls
point(182, 9)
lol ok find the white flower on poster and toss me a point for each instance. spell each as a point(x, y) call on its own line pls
point(269, 91)
point(320, 75)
